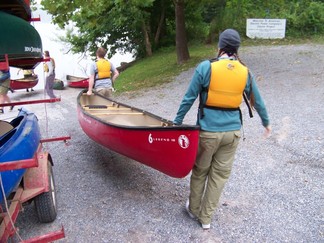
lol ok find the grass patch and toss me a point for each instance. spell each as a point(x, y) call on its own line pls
point(162, 67)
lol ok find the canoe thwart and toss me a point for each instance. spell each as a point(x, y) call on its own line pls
point(96, 106)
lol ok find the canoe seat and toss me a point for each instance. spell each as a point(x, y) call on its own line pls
point(5, 127)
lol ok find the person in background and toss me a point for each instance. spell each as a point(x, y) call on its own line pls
point(4, 88)
point(28, 73)
point(49, 69)
point(220, 83)
point(102, 75)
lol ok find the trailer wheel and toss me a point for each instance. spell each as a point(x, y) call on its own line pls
point(45, 203)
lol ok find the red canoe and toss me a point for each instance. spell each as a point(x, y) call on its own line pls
point(139, 135)
point(77, 82)
point(23, 83)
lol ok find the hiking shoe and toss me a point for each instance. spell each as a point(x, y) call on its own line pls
point(191, 215)
point(205, 226)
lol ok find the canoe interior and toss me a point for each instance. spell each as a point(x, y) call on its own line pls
point(29, 79)
point(5, 127)
point(118, 114)
point(19, 140)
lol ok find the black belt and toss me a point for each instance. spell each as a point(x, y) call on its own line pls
point(226, 109)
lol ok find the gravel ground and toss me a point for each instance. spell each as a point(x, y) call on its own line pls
point(275, 192)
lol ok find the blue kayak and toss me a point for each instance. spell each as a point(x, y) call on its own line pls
point(19, 140)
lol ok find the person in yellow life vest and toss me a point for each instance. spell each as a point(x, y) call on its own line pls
point(220, 83)
point(28, 74)
point(49, 69)
point(102, 75)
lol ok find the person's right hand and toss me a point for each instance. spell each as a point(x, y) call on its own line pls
point(89, 92)
point(267, 132)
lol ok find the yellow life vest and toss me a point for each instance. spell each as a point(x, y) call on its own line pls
point(227, 82)
point(46, 69)
point(103, 67)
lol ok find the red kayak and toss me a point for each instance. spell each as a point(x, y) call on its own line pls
point(139, 135)
point(77, 82)
point(23, 83)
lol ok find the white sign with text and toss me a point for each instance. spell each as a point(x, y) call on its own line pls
point(266, 28)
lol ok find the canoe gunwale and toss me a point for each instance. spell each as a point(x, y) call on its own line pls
point(170, 126)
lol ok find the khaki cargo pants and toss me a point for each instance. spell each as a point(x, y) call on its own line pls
point(107, 92)
point(211, 171)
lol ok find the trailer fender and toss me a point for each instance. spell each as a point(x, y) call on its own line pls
point(35, 180)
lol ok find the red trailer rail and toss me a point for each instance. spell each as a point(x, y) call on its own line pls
point(56, 235)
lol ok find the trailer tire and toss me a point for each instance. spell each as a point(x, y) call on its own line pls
point(45, 203)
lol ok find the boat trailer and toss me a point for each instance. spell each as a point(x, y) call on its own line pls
point(36, 182)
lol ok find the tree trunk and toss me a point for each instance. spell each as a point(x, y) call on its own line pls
point(158, 31)
point(181, 37)
point(148, 46)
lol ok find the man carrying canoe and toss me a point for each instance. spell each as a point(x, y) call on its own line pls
point(102, 75)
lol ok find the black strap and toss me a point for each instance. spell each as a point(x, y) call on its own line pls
point(248, 104)
point(226, 109)
point(221, 108)
point(201, 103)
point(103, 78)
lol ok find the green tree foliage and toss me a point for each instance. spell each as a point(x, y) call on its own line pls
point(119, 25)
point(140, 26)
point(144, 26)
point(303, 16)
point(213, 13)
